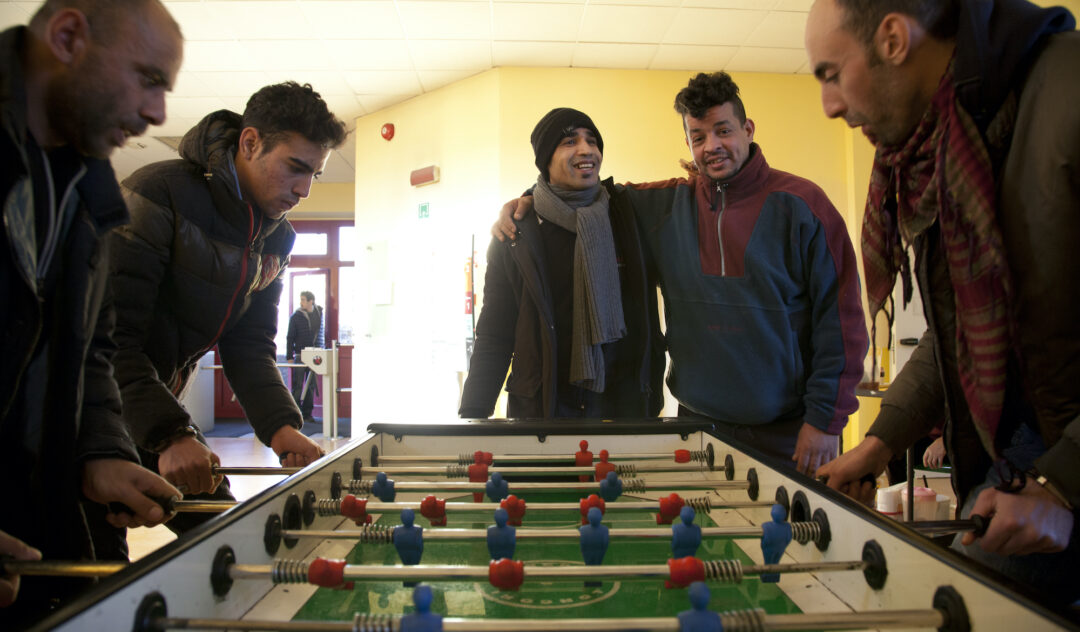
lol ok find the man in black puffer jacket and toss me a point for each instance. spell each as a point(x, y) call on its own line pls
point(201, 265)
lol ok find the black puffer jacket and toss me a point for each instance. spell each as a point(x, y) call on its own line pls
point(198, 266)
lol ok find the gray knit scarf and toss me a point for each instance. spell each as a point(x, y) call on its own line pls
point(598, 312)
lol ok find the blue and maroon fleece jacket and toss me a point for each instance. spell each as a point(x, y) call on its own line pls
point(761, 294)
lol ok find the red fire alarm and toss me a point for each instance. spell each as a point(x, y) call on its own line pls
point(387, 131)
point(427, 175)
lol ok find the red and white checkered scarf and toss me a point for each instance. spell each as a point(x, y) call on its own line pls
point(944, 174)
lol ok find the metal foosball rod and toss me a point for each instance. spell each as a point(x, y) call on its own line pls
point(462, 471)
point(698, 456)
point(256, 471)
point(382, 534)
point(630, 486)
point(509, 574)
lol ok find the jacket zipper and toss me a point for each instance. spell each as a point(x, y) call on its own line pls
point(248, 247)
point(722, 190)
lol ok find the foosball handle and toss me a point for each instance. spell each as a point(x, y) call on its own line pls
point(167, 503)
point(980, 524)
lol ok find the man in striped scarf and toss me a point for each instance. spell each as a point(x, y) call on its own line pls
point(976, 168)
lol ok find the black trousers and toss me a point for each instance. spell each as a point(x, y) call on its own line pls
point(307, 403)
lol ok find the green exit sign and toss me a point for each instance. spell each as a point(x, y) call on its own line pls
point(424, 211)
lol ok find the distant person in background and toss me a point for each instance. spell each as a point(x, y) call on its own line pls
point(305, 330)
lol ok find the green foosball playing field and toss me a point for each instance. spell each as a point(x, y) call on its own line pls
point(544, 599)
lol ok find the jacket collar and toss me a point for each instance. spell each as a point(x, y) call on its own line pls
point(996, 43)
point(212, 145)
point(748, 180)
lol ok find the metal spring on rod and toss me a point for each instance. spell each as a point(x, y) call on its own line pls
point(699, 455)
point(634, 485)
point(700, 503)
point(743, 620)
point(328, 507)
point(360, 488)
point(289, 572)
point(729, 571)
point(457, 471)
point(376, 534)
point(465, 459)
point(626, 469)
point(364, 622)
point(804, 532)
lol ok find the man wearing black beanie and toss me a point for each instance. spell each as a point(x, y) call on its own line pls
point(569, 301)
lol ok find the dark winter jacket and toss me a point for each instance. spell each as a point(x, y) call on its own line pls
point(517, 322)
point(78, 396)
point(761, 295)
point(198, 267)
point(1007, 53)
point(302, 333)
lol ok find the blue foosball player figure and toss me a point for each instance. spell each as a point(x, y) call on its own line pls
point(423, 620)
point(501, 539)
point(497, 488)
point(610, 487)
point(594, 541)
point(409, 539)
point(685, 535)
point(775, 538)
point(700, 619)
point(383, 488)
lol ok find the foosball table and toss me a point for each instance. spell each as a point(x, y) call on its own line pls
point(551, 525)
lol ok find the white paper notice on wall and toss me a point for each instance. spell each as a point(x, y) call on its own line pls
point(382, 292)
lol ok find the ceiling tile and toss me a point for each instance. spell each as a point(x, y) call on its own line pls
point(337, 169)
point(793, 5)
point(197, 21)
point(375, 102)
point(324, 82)
point(190, 84)
point(366, 82)
point(613, 55)
point(278, 55)
point(16, 13)
point(446, 20)
point(224, 84)
point(192, 107)
point(781, 29)
point(537, 22)
point(551, 54)
point(215, 56)
point(451, 54)
point(366, 19)
point(679, 57)
point(650, 3)
point(344, 106)
point(763, 5)
point(435, 79)
point(370, 54)
point(724, 27)
point(624, 24)
point(750, 59)
point(498, 2)
point(262, 20)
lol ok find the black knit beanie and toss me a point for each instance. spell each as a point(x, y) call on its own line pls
point(555, 126)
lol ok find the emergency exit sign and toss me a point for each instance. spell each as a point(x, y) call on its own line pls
point(423, 212)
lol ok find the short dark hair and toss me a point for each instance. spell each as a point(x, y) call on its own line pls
point(308, 295)
point(940, 18)
point(103, 16)
point(707, 91)
point(290, 107)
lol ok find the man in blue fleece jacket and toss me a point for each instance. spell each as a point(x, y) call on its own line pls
point(764, 322)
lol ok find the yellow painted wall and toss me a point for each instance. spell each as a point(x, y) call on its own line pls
point(327, 200)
